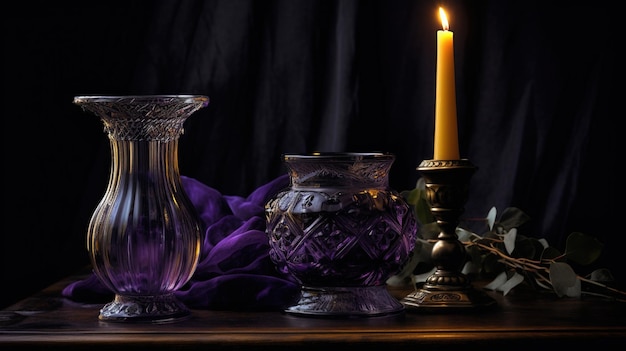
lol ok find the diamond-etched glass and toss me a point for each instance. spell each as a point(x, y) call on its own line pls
point(341, 231)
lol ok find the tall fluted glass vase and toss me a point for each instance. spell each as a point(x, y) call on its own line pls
point(144, 236)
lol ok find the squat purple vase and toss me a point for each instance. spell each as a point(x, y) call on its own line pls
point(341, 231)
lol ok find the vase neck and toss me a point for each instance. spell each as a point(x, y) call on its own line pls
point(335, 174)
point(139, 159)
point(144, 130)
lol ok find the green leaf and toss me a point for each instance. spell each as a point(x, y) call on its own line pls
point(475, 255)
point(470, 268)
point(492, 264)
point(529, 248)
point(420, 278)
point(509, 240)
point(512, 282)
point(423, 250)
point(497, 281)
point(422, 212)
point(411, 196)
point(513, 217)
point(564, 280)
point(464, 234)
point(416, 198)
point(602, 275)
point(504, 284)
point(582, 248)
point(429, 231)
point(550, 253)
point(491, 217)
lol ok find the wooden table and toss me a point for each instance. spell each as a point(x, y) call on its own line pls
point(523, 320)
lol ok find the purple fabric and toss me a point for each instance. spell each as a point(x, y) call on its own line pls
point(235, 271)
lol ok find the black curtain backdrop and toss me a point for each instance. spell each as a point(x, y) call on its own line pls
point(537, 100)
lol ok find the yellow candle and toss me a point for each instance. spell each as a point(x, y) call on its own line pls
point(446, 132)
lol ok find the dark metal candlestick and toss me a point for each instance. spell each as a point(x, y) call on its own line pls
point(447, 187)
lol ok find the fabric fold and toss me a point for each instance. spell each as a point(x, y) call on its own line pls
point(234, 271)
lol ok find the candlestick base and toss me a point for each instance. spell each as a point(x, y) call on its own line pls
point(439, 298)
point(447, 188)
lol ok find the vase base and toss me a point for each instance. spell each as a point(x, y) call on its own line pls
point(368, 301)
point(144, 309)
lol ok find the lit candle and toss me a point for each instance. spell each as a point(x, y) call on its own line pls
point(446, 133)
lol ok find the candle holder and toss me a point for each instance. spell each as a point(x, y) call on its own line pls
point(447, 187)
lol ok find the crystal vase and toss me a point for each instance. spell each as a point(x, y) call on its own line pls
point(144, 236)
point(341, 231)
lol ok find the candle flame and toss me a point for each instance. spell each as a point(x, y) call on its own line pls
point(444, 19)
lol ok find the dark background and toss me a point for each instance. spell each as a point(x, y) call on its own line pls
point(537, 99)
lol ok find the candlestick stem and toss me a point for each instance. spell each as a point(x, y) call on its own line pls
point(447, 188)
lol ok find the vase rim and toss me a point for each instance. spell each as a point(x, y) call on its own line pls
point(110, 98)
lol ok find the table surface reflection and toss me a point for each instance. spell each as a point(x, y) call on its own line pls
point(523, 319)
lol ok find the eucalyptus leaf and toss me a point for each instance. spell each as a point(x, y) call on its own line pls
point(423, 250)
point(491, 264)
point(404, 277)
point(529, 248)
point(421, 183)
point(503, 251)
point(602, 275)
point(400, 280)
point(510, 283)
point(550, 254)
point(470, 268)
point(513, 217)
point(464, 235)
point(582, 248)
point(574, 291)
point(509, 240)
point(421, 253)
point(416, 197)
point(497, 281)
point(422, 211)
point(564, 280)
point(491, 217)
point(410, 196)
point(475, 256)
point(429, 231)
point(420, 278)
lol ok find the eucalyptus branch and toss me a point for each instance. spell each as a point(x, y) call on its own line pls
point(501, 238)
point(524, 263)
point(604, 286)
point(534, 266)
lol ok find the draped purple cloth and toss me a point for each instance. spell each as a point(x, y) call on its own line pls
point(235, 271)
